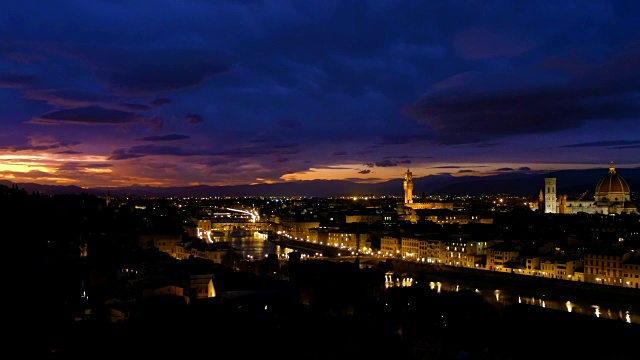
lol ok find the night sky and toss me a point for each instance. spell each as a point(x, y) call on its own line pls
point(176, 93)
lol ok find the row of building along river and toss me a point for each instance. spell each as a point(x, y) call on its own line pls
point(256, 246)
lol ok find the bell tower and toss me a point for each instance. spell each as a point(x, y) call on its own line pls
point(550, 200)
point(408, 187)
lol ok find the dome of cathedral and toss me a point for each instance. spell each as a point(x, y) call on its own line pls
point(612, 187)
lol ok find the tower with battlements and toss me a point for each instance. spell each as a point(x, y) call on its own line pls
point(408, 187)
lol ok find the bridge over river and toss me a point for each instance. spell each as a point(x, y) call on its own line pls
point(238, 228)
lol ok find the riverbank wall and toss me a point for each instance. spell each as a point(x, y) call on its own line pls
point(523, 284)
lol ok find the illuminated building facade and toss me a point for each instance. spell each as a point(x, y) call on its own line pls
point(612, 196)
point(410, 207)
point(605, 266)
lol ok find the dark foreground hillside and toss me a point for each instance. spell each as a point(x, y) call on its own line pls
point(401, 323)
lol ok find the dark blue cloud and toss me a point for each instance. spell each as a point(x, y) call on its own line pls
point(479, 106)
point(618, 143)
point(288, 123)
point(70, 98)
point(73, 166)
point(274, 88)
point(160, 101)
point(89, 115)
point(386, 163)
point(194, 119)
point(16, 81)
point(170, 137)
point(147, 72)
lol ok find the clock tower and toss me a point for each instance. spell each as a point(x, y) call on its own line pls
point(408, 187)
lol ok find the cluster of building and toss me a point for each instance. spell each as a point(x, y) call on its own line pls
point(385, 231)
point(612, 196)
point(615, 263)
point(609, 266)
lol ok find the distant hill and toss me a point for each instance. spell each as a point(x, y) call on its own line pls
point(569, 182)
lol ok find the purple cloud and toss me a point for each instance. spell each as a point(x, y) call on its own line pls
point(123, 154)
point(255, 151)
point(194, 119)
point(401, 139)
point(386, 163)
point(39, 143)
point(605, 143)
point(160, 102)
point(155, 123)
point(170, 137)
point(243, 152)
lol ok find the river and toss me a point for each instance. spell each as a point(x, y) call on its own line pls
point(499, 298)
point(257, 246)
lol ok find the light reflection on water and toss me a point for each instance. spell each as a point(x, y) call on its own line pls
point(255, 246)
point(500, 298)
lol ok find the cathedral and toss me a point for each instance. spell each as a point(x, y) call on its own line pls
point(612, 196)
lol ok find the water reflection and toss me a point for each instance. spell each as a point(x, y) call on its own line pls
point(500, 298)
point(392, 280)
point(253, 246)
point(256, 246)
point(597, 310)
point(433, 286)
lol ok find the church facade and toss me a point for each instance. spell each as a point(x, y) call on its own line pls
point(612, 196)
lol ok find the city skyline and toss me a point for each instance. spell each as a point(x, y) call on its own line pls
point(232, 93)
